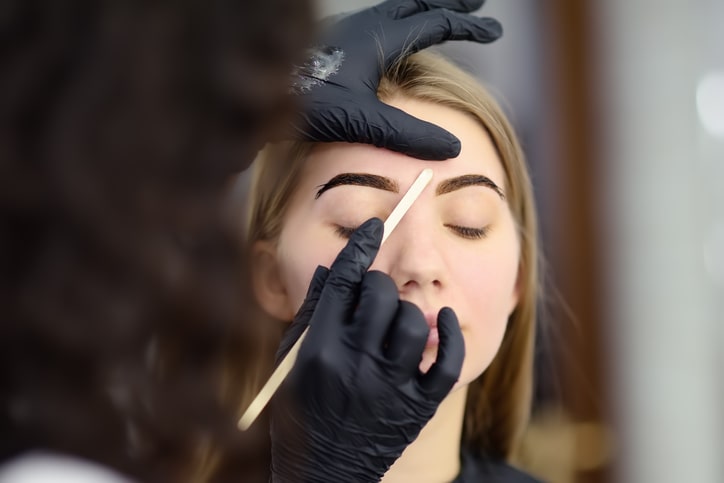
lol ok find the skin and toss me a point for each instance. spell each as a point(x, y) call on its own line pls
point(428, 255)
point(458, 249)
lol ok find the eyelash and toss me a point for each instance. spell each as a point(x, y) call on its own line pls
point(463, 231)
point(344, 231)
point(469, 233)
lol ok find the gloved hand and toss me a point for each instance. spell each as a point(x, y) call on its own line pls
point(356, 397)
point(338, 84)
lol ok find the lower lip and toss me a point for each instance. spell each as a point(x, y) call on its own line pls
point(433, 338)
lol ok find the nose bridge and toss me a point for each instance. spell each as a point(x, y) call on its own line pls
point(414, 256)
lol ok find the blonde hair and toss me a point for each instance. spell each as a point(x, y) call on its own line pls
point(498, 403)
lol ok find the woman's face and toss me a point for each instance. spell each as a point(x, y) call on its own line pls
point(457, 246)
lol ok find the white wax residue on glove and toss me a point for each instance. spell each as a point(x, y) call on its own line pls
point(321, 64)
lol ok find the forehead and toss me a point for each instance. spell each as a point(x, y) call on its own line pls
point(477, 154)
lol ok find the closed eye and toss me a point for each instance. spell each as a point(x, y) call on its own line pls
point(344, 231)
point(462, 231)
point(468, 232)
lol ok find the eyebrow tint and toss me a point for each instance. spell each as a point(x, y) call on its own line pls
point(458, 182)
point(359, 179)
point(387, 184)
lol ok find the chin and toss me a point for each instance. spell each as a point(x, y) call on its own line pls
point(429, 355)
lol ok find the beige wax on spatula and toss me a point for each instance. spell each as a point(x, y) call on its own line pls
point(271, 386)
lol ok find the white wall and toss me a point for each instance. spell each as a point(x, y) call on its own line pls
point(663, 206)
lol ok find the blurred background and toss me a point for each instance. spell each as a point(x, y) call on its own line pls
point(620, 107)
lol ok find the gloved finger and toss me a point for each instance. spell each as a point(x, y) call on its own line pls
point(391, 128)
point(376, 310)
point(405, 8)
point(445, 372)
point(341, 290)
point(407, 339)
point(430, 28)
point(330, 124)
point(301, 319)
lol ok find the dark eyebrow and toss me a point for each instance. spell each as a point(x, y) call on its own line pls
point(359, 179)
point(458, 182)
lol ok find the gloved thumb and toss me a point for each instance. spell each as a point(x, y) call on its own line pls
point(301, 319)
point(393, 129)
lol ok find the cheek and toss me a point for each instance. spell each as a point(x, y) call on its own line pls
point(490, 282)
point(299, 257)
point(486, 295)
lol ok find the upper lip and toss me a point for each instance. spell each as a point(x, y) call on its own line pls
point(430, 318)
point(428, 312)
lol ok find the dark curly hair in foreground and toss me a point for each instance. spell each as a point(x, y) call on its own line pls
point(120, 281)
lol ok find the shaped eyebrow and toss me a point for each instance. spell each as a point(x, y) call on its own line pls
point(464, 181)
point(359, 179)
point(388, 184)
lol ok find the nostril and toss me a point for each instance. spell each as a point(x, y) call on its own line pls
point(410, 284)
point(415, 284)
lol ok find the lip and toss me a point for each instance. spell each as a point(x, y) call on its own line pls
point(433, 338)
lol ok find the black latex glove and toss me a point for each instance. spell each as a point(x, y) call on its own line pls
point(356, 397)
point(338, 84)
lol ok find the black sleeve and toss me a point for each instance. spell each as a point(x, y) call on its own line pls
point(476, 469)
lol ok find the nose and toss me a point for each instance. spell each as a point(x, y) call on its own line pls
point(412, 255)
